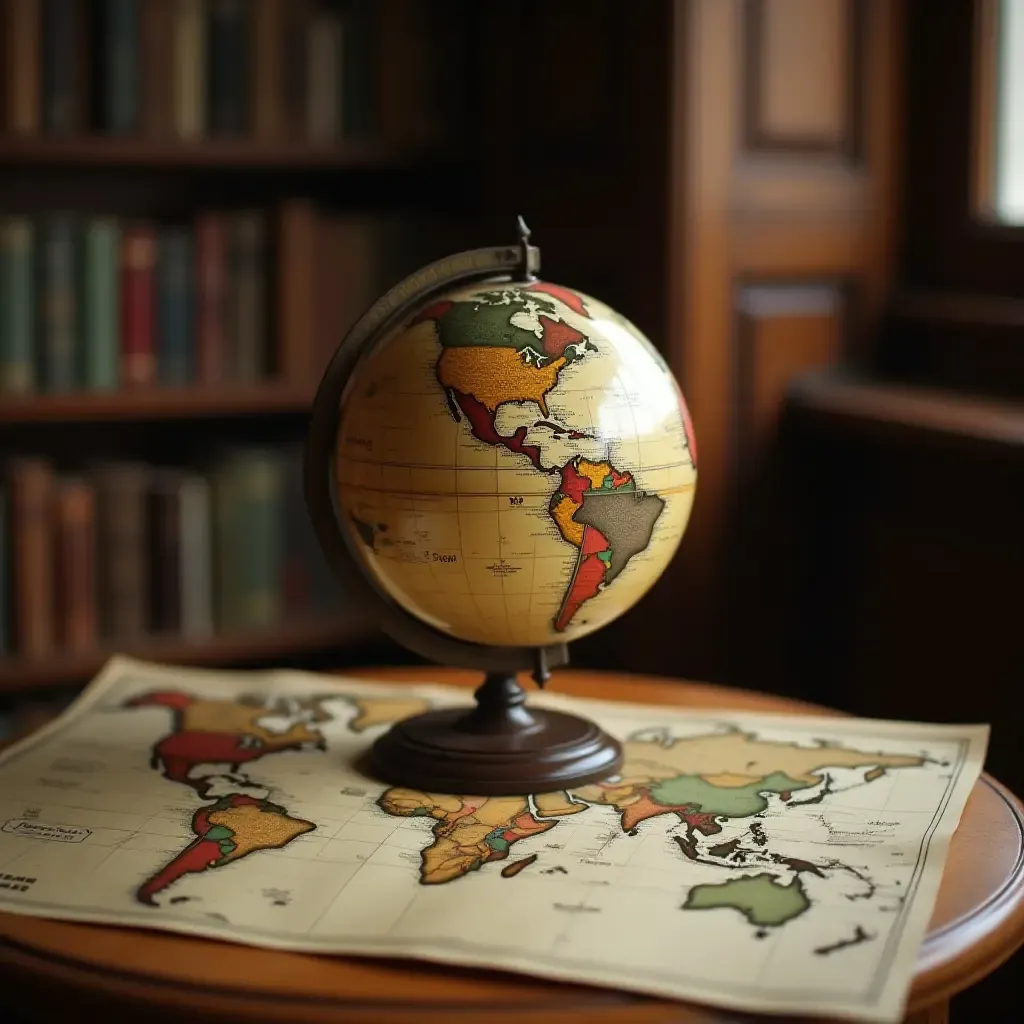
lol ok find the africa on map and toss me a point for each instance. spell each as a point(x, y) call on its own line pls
point(232, 805)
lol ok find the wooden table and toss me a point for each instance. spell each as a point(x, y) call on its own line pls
point(83, 971)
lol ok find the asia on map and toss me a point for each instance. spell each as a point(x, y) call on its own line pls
point(757, 862)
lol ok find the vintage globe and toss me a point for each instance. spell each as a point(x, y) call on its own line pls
point(514, 463)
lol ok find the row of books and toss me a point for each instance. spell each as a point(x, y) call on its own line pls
point(93, 304)
point(272, 69)
point(118, 550)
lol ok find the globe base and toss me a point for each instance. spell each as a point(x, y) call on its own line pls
point(498, 748)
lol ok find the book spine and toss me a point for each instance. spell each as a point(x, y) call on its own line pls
point(249, 541)
point(358, 92)
point(211, 281)
point(227, 605)
point(195, 552)
point(297, 583)
point(164, 535)
point(58, 314)
point(189, 45)
point(324, 78)
point(227, 63)
point(17, 307)
point(23, 65)
point(61, 51)
point(121, 78)
point(175, 295)
point(5, 573)
point(138, 259)
point(248, 297)
point(296, 296)
point(295, 40)
point(76, 566)
point(266, 71)
point(157, 54)
point(31, 497)
point(100, 305)
point(123, 548)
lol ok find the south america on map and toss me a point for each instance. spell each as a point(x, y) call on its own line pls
point(755, 862)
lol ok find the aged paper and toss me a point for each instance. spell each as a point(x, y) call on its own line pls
point(758, 862)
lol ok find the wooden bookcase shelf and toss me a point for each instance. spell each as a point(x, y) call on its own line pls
point(321, 633)
point(157, 404)
point(210, 154)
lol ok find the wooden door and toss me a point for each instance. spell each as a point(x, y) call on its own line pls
point(781, 230)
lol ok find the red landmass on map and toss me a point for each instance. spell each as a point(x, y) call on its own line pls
point(227, 830)
point(564, 295)
point(590, 572)
point(434, 311)
point(215, 732)
point(481, 422)
point(643, 808)
point(556, 334)
point(573, 483)
point(200, 855)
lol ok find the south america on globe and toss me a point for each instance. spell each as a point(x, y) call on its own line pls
point(516, 463)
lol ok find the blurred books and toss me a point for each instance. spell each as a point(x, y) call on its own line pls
point(310, 71)
point(115, 551)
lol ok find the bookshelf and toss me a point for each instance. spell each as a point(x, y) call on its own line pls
point(157, 403)
point(243, 154)
point(182, 181)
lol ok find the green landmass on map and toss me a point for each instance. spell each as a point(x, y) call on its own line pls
point(762, 899)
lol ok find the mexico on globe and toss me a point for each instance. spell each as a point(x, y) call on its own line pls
point(497, 465)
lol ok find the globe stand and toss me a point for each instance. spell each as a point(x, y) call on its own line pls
point(499, 748)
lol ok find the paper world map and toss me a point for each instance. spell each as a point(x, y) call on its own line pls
point(762, 862)
point(515, 464)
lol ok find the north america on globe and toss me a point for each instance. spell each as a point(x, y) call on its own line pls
point(518, 464)
point(713, 790)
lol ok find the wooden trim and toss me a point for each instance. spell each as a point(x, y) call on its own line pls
point(947, 244)
point(319, 633)
point(985, 107)
point(156, 404)
point(860, 404)
point(755, 138)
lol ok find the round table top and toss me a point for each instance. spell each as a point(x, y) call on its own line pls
point(978, 923)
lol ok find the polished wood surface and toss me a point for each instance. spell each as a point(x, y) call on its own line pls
point(978, 922)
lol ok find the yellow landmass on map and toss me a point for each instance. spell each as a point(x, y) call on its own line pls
point(551, 805)
point(257, 829)
point(373, 711)
point(470, 831)
point(562, 511)
point(224, 716)
point(494, 375)
point(595, 472)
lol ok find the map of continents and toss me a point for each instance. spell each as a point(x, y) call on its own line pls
point(511, 346)
point(703, 782)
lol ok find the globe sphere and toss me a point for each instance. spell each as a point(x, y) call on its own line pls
point(514, 464)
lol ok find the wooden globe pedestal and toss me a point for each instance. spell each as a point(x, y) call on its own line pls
point(499, 748)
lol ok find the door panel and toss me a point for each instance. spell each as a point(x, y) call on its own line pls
point(782, 224)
